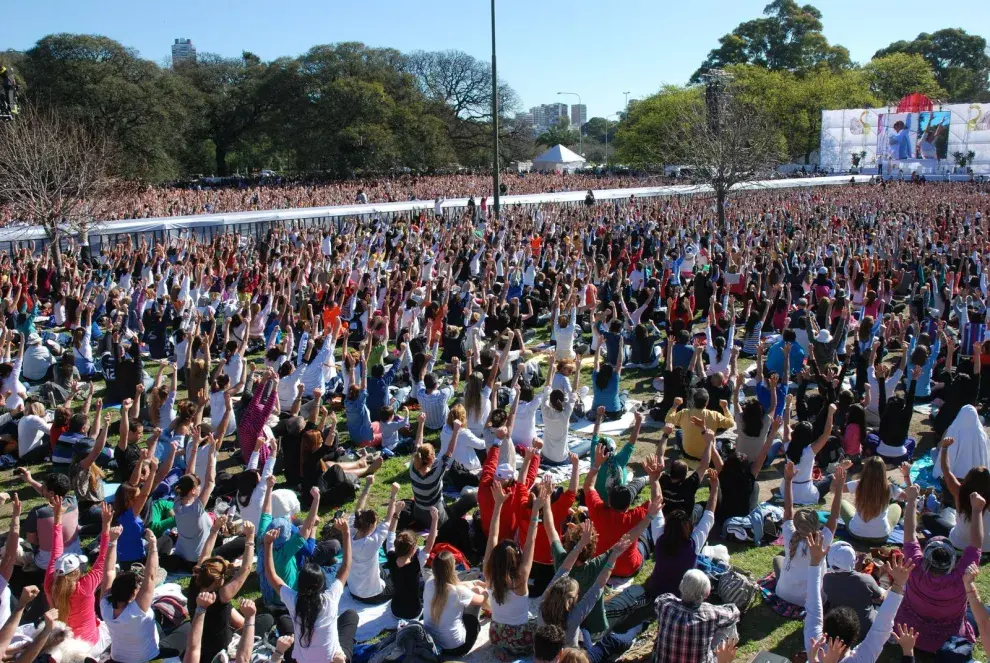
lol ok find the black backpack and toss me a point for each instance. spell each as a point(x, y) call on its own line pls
point(410, 644)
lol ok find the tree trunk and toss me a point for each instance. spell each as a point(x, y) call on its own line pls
point(720, 204)
point(221, 151)
point(55, 237)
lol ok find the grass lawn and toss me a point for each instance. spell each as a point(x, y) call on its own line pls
point(760, 629)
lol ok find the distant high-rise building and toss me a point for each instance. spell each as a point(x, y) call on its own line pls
point(579, 115)
point(183, 52)
point(547, 115)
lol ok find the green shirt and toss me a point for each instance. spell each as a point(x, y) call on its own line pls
point(613, 470)
point(284, 559)
point(162, 518)
point(586, 576)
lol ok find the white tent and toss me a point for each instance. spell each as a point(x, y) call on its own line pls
point(559, 159)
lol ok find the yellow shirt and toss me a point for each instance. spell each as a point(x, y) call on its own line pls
point(692, 438)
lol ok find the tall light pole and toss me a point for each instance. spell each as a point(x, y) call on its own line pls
point(580, 133)
point(495, 159)
point(626, 108)
point(606, 135)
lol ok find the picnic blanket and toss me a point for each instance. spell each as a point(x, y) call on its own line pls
point(617, 427)
point(768, 587)
point(372, 619)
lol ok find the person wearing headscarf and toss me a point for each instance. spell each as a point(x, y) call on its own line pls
point(971, 448)
point(935, 597)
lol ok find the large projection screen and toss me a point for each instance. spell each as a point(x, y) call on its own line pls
point(886, 136)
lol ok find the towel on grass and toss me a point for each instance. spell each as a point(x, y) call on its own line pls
point(768, 587)
point(922, 473)
point(372, 619)
point(895, 538)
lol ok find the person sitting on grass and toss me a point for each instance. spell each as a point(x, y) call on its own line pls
point(688, 627)
point(452, 608)
point(935, 599)
point(618, 518)
point(841, 625)
point(564, 606)
point(872, 516)
point(367, 584)
point(692, 441)
point(405, 562)
point(791, 567)
point(977, 480)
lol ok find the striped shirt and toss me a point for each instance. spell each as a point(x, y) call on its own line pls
point(434, 405)
point(253, 420)
point(751, 342)
point(428, 489)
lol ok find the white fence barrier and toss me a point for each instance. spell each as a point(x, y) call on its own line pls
point(206, 226)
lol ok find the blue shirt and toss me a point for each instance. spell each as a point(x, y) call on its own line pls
point(358, 419)
point(130, 546)
point(682, 355)
point(607, 397)
point(378, 390)
point(775, 358)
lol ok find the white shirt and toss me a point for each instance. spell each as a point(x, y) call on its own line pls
point(959, 534)
point(133, 636)
point(876, 527)
point(324, 643)
point(32, 431)
point(555, 428)
point(467, 442)
point(234, 369)
point(218, 407)
point(792, 586)
point(448, 631)
point(365, 580)
point(525, 427)
point(287, 388)
point(803, 488)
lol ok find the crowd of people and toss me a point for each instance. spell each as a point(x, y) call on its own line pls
point(221, 414)
point(216, 196)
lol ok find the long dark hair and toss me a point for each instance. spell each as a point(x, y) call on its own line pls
point(676, 533)
point(801, 436)
point(309, 601)
point(604, 376)
point(752, 417)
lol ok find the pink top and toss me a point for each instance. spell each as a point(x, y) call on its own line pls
point(82, 606)
point(852, 440)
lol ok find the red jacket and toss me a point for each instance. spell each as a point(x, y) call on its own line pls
point(486, 503)
point(560, 509)
point(612, 525)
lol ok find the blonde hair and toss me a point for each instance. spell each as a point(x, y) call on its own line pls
point(571, 655)
point(558, 601)
point(805, 523)
point(872, 491)
point(63, 587)
point(444, 577)
point(457, 413)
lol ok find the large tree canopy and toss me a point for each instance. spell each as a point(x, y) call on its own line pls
point(959, 60)
point(893, 76)
point(788, 38)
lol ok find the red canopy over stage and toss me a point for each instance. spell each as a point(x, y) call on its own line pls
point(914, 103)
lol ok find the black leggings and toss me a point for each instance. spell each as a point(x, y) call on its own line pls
point(471, 628)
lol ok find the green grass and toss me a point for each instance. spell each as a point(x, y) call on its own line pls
point(761, 629)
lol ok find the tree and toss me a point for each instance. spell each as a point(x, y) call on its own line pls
point(237, 96)
point(726, 140)
point(788, 38)
point(462, 85)
point(643, 138)
point(958, 59)
point(99, 82)
point(596, 126)
point(893, 76)
point(559, 134)
point(55, 173)
point(794, 103)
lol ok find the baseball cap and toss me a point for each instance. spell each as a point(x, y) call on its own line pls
point(68, 563)
point(504, 472)
point(842, 556)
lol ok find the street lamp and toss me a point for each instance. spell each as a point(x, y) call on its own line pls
point(627, 100)
point(494, 120)
point(580, 133)
point(606, 135)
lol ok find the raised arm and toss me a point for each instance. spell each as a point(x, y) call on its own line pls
point(951, 481)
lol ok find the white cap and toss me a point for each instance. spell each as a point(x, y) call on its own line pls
point(842, 556)
point(68, 563)
point(504, 472)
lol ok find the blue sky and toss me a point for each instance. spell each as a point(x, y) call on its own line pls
point(598, 49)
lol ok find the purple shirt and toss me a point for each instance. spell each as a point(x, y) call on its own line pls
point(936, 605)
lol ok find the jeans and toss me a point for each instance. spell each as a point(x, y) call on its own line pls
point(608, 648)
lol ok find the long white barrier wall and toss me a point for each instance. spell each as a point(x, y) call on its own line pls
point(254, 223)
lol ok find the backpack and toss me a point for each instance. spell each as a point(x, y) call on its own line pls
point(170, 612)
point(410, 644)
point(738, 589)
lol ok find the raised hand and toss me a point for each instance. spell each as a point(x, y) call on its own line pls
point(726, 651)
point(28, 594)
point(205, 599)
point(899, 571)
point(906, 637)
point(817, 548)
